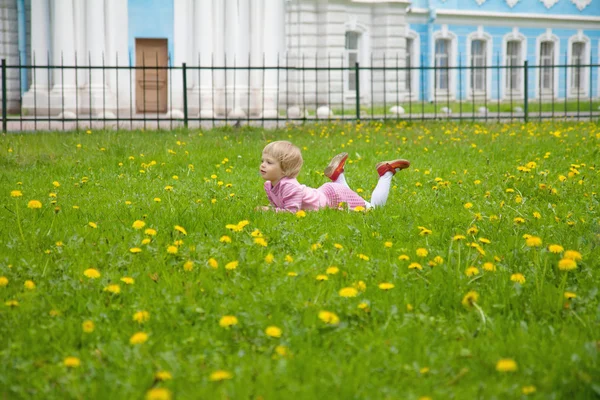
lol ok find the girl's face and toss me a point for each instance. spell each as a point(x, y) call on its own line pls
point(270, 169)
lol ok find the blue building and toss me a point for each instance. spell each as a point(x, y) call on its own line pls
point(547, 34)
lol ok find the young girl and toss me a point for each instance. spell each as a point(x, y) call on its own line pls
point(281, 163)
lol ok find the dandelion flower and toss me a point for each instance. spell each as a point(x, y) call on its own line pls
point(348, 292)
point(135, 250)
point(458, 237)
point(71, 362)
point(138, 338)
point(329, 318)
point(363, 306)
point(471, 271)
point(472, 230)
point(567, 264)
point(332, 270)
point(138, 224)
point(225, 239)
point(146, 241)
point(570, 295)
point(292, 274)
point(127, 280)
point(188, 265)
point(519, 220)
point(403, 257)
point(338, 246)
point(228, 320)
point(520, 278)
point(573, 255)
point(260, 241)
point(273, 331)
point(533, 241)
point(213, 263)
point(172, 249)
point(88, 326)
point(470, 298)
point(506, 365)
point(232, 265)
point(300, 214)
point(16, 193)
point(363, 257)
point(386, 286)
point(388, 244)
point(163, 376)
point(289, 259)
point(529, 389)
point(220, 375)
point(537, 215)
point(29, 284)
point(114, 289)
point(180, 229)
point(141, 316)
point(360, 285)
point(33, 204)
point(555, 248)
point(421, 252)
point(322, 277)
point(468, 205)
point(415, 265)
point(484, 240)
point(359, 208)
point(438, 260)
point(488, 266)
point(11, 303)
point(269, 258)
point(93, 225)
point(91, 273)
point(150, 232)
point(3, 281)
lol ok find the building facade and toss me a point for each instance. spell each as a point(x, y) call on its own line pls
point(408, 50)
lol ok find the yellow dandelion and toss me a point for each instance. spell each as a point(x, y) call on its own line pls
point(3, 281)
point(360, 285)
point(570, 295)
point(555, 248)
point(141, 316)
point(33, 204)
point(29, 285)
point(458, 237)
point(338, 246)
point(88, 326)
point(468, 205)
point(273, 331)
point(484, 240)
point(289, 259)
point(232, 265)
point(93, 225)
point(91, 273)
point(260, 242)
point(150, 232)
point(415, 265)
point(403, 257)
point(72, 362)
point(386, 286)
point(329, 318)
point(180, 229)
point(472, 230)
point(363, 306)
point(213, 263)
point(11, 303)
point(138, 224)
point(127, 280)
point(227, 321)
point(225, 239)
point(388, 245)
point(269, 258)
point(488, 266)
point(348, 292)
point(146, 241)
point(537, 215)
point(363, 257)
point(332, 270)
point(114, 289)
point(520, 278)
point(220, 375)
point(471, 271)
point(172, 249)
point(506, 365)
point(421, 252)
point(163, 376)
point(135, 250)
point(529, 389)
point(470, 298)
point(300, 214)
point(292, 274)
point(16, 193)
point(138, 338)
point(573, 255)
point(438, 260)
point(359, 208)
point(519, 220)
point(533, 241)
point(567, 264)
point(188, 265)
point(322, 277)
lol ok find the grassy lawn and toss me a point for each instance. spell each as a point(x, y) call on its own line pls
point(137, 276)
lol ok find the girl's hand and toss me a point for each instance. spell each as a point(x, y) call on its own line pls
point(262, 208)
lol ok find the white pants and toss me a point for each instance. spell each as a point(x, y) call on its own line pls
point(380, 193)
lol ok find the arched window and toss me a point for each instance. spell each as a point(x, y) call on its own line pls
point(578, 55)
point(443, 76)
point(413, 57)
point(352, 56)
point(479, 77)
point(514, 54)
point(547, 71)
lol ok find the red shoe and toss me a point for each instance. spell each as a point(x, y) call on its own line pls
point(336, 166)
point(392, 166)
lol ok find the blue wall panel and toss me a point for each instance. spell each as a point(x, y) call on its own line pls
point(150, 19)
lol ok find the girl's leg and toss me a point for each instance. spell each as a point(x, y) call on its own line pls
point(382, 190)
point(341, 179)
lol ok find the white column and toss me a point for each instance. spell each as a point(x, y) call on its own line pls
point(36, 98)
point(221, 104)
point(274, 45)
point(96, 96)
point(63, 95)
point(117, 53)
point(237, 47)
point(256, 56)
point(181, 34)
point(204, 52)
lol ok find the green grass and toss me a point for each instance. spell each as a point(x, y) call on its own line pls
point(414, 340)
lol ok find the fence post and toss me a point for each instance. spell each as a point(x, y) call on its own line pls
point(525, 89)
point(357, 84)
point(4, 100)
point(185, 99)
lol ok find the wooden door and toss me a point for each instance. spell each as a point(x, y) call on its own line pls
point(151, 84)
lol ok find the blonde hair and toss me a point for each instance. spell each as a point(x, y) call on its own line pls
point(288, 155)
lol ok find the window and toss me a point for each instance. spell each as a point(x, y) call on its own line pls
point(513, 63)
point(410, 49)
point(352, 39)
point(546, 64)
point(442, 58)
point(577, 59)
point(478, 62)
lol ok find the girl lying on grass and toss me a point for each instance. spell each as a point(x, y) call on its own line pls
point(281, 163)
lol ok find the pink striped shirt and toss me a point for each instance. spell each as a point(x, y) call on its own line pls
point(290, 195)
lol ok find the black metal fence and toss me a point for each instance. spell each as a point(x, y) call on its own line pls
point(153, 97)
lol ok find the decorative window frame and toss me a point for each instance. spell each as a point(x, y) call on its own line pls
point(364, 49)
point(585, 72)
point(515, 35)
point(547, 36)
point(480, 35)
point(443, 33)
point(416, 64)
